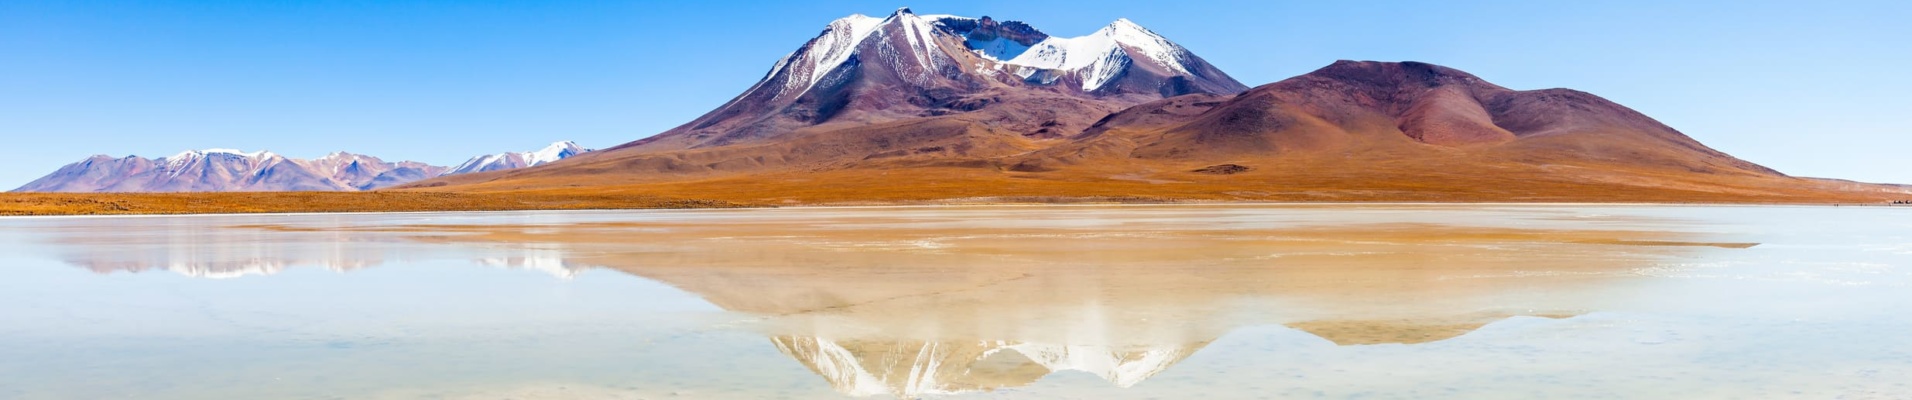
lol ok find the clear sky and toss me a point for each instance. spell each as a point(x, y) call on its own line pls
point(1809, 88)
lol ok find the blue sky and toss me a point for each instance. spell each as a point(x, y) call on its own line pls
point(1809, 88)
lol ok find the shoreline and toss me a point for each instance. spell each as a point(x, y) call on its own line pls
point(666, 205)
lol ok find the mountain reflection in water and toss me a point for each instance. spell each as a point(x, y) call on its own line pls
point(912, 305)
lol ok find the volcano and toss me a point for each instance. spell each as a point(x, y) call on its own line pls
point(911, 108)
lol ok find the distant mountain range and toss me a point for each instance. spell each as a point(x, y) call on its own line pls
point(503, 161)
point(225, 170)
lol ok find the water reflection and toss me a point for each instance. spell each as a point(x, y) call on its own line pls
point(912, 368)
point(919, 305)
point(234, 251)
point(547, 260)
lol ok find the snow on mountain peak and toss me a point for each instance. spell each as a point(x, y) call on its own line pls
point(554, 152)
point(824, 53)
point(861, 68)
point(1097, 58)
point(919, 35)
point(502, 161)
point(1101, 56)
point(855, 23)
point(1152, 46)
point(188, 154)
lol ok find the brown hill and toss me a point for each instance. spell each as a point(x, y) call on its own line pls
point(1383, 112)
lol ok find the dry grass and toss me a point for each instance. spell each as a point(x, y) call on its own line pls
point(1303, 181)
point(304, 202)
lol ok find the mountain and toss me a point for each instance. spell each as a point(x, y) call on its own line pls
point(503, 161)
point(224, 170)
point(913, 88)
point(863, 70)
point(938, 108)
point(190, 171)
point(1377, 112)
point(362, 172)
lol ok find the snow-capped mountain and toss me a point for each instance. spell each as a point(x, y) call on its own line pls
point(924, 49)
point(213, 170)
point(363, 172)
point(863, 69)
point(226, 170)
point(503, 161)
point(1099, 59)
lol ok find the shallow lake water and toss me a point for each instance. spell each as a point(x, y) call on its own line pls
point(1237, 301)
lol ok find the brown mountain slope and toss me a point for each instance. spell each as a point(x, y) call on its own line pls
point(1390, 111)
point(970, 139)
point(1352, 131)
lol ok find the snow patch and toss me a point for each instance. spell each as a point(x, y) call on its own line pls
point(998, 49)
point(1101, 57)
point(513, 160)
point(1097, 59)
point(190, 154)
point(554, 152)
point(825, 53)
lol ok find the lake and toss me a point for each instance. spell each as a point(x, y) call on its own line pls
point(1155, 301)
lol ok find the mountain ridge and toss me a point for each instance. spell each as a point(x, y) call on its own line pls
point(228, 170)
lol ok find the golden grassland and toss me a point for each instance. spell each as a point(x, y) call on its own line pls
point(947, 185)
point(314, 202)
point(1296, 180)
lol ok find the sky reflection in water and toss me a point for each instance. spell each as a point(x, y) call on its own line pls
point(1066, 301)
